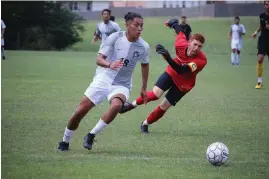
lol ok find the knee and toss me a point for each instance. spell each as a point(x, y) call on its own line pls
point(233, 50)
point(260, 59)
point(116, 103)
point(158, 92)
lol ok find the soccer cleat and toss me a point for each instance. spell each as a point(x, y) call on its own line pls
point(258, 86)
point(88, 141)
point(3, 57)
point(144, 128)
point(126, 107)
point(63, 146)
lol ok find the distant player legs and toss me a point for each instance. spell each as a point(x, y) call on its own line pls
point(259, 69)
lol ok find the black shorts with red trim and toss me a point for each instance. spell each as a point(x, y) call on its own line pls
point(165, 83)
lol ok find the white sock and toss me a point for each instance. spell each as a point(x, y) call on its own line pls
point(67, 135)
point(237, 58)
point(134, 103)
point(259, 79)
point(233, 58)
point(98, 127)
point(145, 122)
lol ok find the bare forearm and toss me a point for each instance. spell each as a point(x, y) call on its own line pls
point(145, 75)
point(259, 29)
point(101, 61)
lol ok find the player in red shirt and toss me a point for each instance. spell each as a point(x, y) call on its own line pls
point(179, 77)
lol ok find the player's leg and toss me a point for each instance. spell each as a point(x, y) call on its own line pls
point(117, 98)
point(93, 96)
point(259, 68)
point(233, 54)
point(171, 98)
point(238, 50)
point(237, 61)
point(2, 49)
point(163, 83)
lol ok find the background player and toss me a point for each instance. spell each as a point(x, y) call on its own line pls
point(113, 78)
point(236, 36)
point(105, 28)
point(186, 27)
point(3, 29)
point(263, 42)
point(112, 18)
point(179, 77)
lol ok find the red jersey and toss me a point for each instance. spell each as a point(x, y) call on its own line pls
point(185, 82)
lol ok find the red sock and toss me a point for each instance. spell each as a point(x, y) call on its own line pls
point(155, 115)
point(151, 97)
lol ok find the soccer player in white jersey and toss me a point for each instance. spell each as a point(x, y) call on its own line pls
point(236, 36)
point(3, 29)
point(113, 78)
point(106, 27)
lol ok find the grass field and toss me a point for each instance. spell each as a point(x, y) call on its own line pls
point(40, 90)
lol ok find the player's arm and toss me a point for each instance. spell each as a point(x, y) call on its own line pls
point(230, 33)
point(97, 35)
point(3, 29)
point(259, 29)
point(145, 68)
point(145, 74)
point(243, 32)
point(179, 68)
point(105, 51)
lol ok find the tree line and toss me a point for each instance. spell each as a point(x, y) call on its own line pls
point(40, 25)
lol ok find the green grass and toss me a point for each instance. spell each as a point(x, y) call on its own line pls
point(40, 90)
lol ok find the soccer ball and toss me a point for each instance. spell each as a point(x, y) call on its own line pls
point(217, 153)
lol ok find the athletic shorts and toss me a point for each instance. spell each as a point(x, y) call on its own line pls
point(97, 94)
point(263, 46)
point(173, 95)
point(235, 44)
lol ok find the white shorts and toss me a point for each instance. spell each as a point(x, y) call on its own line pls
point(236, 45)
point(2, 42)
point(98, 94)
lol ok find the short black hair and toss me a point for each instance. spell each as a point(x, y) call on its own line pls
point(112, 18)
point(183, 17)
point(131, 16)
point(236, 17)
point(106, 10)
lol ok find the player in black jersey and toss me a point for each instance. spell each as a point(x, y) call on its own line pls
point(263, 42)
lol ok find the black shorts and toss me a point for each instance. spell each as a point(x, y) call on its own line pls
point(263, 46)
point(165, 82)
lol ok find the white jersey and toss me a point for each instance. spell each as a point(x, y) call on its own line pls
point(3, 25)
point(236, 29)
point(104, 30)
point(118, 47)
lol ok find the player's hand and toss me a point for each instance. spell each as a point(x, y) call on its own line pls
point(161, 50)
point(266, 25)
point(144, 95)
point(116, 65)
point(254, 35)
point(171, 22)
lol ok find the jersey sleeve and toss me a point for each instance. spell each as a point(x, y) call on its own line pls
point(97, 31)
point(181, 41)
point(145, 59)
point(118, 27)
point(243, 29)
point(197, 64)
point(3, 25)
point(107, 48)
